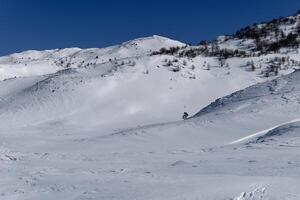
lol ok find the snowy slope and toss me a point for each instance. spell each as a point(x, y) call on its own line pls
point(194, 159)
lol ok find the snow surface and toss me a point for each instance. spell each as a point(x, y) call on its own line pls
point(106, 124)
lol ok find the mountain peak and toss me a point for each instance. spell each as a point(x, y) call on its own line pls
point(153, 43)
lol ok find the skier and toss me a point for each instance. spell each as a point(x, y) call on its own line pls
point(185, 115)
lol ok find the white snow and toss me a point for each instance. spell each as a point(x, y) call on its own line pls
point(106, 124)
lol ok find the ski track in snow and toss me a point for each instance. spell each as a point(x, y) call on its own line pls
point(260, 133)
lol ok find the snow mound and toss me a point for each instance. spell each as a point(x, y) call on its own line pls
point(256, 194)
point(282, 131)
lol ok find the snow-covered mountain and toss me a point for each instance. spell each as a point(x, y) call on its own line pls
point(30, 63)
point(107, 123)
point(123, 86)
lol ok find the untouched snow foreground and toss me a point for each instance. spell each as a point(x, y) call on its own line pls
point(84, 124)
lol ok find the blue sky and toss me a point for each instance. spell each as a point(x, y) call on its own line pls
point(46, 24)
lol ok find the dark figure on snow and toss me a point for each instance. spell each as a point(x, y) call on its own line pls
point(185, 115)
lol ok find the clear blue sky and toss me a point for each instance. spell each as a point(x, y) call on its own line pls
point(46, 24)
